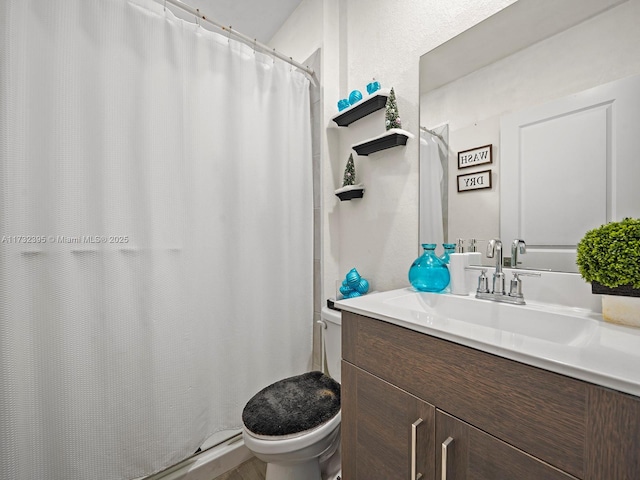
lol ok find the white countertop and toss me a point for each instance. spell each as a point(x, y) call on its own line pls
point(570, 341)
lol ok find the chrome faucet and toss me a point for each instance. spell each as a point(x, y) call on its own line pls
point(494, 249)
point(498, 294)
point(517, 245)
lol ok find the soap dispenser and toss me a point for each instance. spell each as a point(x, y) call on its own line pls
point(457, 264)
point(474, 257)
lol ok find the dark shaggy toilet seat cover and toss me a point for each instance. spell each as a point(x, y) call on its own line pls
point(293, 405)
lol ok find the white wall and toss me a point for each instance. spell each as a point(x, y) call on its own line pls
point(597, 51)
point(361, 39)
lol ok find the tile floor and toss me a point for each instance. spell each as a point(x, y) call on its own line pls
point(253, 469)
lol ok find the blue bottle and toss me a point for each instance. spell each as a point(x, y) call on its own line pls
point(428, 273)
point(449, 248)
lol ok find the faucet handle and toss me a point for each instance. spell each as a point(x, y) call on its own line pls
point(521, 273)
point(515, 289)
point(483, 282)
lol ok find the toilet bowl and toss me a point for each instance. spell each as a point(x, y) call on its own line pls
point(298, 457)
point(294, 425)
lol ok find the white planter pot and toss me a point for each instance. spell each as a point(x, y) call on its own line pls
point(621, 310)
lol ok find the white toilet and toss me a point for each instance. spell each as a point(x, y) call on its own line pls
point(294, 425)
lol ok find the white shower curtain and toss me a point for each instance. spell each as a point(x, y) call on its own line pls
point(155, 235)
point(431, 174)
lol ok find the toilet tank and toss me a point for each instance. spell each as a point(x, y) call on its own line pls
point(332, 341)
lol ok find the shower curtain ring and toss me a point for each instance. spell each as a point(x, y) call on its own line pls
point(165, 5)
point(254, 45)
point(198, 17)
point(274, 56)
point(229, 34)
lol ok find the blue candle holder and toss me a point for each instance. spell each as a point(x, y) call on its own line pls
point(373, 86)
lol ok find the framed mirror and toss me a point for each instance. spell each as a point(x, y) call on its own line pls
point(554, 89)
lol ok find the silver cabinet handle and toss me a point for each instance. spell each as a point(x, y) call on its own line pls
point(445, 446)
point(414, 441)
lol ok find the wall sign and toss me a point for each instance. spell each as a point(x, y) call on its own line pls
point(474, 181)
point(475, 156)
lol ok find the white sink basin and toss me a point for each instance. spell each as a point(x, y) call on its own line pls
point(552, 324)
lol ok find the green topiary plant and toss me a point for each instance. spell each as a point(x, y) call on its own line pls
point(610, 254)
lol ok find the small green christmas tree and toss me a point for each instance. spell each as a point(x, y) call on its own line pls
point(349, 177)
point(391, 114)
point(349, 189)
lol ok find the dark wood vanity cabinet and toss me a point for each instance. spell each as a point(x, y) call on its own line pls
point(473, 454)
point(388, 428)
point(498, 418)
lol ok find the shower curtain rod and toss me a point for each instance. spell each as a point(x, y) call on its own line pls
point(243, 38)
point(431, 132)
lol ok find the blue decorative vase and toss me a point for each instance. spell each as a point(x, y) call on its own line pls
point(342, 104)
point(449, 248)
point(373, 86)
point(428, 273)
point(355, 97)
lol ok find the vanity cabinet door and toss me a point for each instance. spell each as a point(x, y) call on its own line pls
point(613, 430)
point(386, 432)
point(464, 452)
